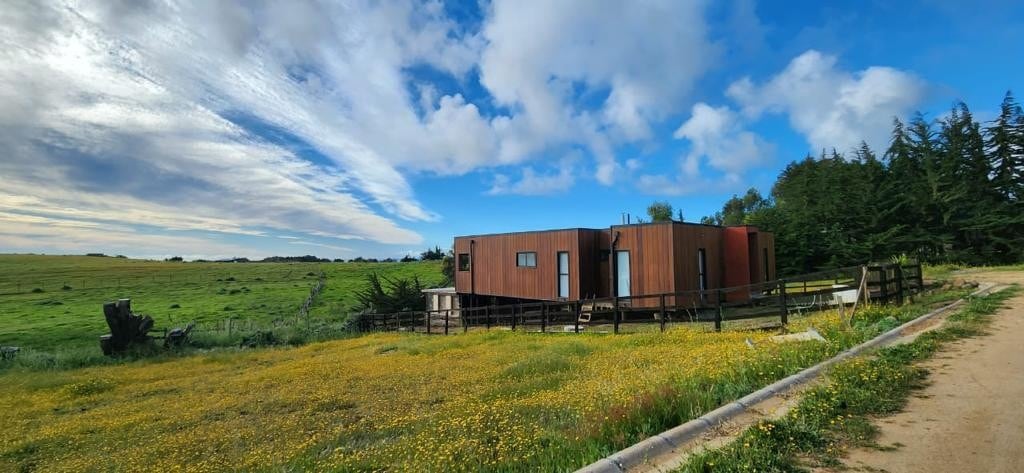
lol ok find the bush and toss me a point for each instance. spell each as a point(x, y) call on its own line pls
point(175, 306)
point(260, 339)
point(65, 288)
point(37, 290)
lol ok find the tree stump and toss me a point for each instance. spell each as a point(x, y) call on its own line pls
point(126, 328)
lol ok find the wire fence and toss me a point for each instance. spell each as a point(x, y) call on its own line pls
point(768, 304)
point(100, 281)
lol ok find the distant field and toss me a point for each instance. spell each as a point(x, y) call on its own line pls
point(51, 302)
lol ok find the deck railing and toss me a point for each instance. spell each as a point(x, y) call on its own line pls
point(771, 299)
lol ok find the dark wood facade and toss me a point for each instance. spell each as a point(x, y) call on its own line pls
point(664, 258)
point(493, 269)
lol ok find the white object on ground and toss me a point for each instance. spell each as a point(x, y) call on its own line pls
point(809, 335)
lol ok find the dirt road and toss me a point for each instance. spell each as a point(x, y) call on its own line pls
point(971, 417)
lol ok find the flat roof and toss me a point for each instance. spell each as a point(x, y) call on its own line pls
point(440, 290)
point(696, 224)
point(532, 231)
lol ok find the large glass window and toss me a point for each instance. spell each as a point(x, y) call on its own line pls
point(463, 261)
point(563, 274)
point(702, 269)
point(702, 273)
point(622, 273)
point(526, 259)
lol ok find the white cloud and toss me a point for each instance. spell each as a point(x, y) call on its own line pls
point(166, 113)
point(829, 106)
point(533, 183)
point(542, 56)
point(682, 185)
point(121, 116)
point(716, 135)
point(30, 233)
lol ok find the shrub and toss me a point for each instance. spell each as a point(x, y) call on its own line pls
point(37, 290)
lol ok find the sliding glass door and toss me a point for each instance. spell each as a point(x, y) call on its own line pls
point(622, 273)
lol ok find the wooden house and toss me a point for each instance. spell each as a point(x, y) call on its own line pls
point(637, 261)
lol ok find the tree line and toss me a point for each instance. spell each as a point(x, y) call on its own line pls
point(945, 191)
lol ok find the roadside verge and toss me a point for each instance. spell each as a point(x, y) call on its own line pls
point(663, 448)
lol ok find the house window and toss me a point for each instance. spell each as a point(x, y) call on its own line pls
point(463, 261)
point(622, 273)
point(563, 274)
point(702, 270)
point(526, 259)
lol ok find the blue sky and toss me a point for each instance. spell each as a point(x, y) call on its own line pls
point(218, 129)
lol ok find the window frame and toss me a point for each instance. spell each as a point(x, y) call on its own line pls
point(702, 271)
point(525, 255)
point(459, 260)
point(619, 284)
point(559, 274)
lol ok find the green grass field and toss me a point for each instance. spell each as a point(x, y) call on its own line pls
point(56, 302)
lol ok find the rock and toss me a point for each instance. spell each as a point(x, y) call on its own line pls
point(809, 335)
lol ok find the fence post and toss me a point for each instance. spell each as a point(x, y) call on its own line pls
point(920, 277)
point(615, 315)
point(487, 317)
point(898, 272)
point(543, 316)
point(718, 313)
point(446, 313)
point(883, 282)
point(783, 304)
point(465, 323)
point(514, 316)
point(426, 315)
point(662, 312)
point(578, 311)
point(229, 327)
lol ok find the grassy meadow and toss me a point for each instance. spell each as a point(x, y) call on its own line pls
point(483, 401)
point(56, 302)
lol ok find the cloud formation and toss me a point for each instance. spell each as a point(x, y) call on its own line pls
point(549, 61)
point(716, 135)
point(308, 117)
point(832, 107)
point(534, 183)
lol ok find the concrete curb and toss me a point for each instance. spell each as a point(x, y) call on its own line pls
point(641, 453)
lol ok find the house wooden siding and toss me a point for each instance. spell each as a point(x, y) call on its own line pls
point(494, 271)
point(663, 260)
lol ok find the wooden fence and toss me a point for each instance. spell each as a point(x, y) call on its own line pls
point(773, 300)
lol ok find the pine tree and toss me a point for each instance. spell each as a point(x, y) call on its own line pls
point(1005, 146)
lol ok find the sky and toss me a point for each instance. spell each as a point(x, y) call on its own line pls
point(215, 129)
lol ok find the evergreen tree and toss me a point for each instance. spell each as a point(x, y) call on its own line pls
point(1005, 146)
